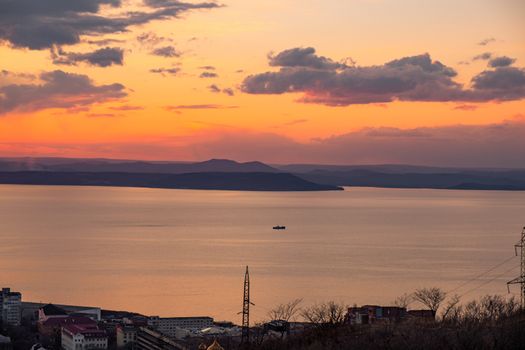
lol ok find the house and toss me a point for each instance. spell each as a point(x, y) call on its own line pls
point(83, 337)
point(369, 314)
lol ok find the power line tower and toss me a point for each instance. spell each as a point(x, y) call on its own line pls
point(245, 337)
point(521, 278)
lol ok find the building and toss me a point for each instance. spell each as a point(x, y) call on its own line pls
point(149, 339)
point(174, 326)
point(46, 311)
point(50, 330)
point(50, 311)
point(369, 314)
point(126, 334)
point(10, 307)
point(83, 337)
point(5, 343)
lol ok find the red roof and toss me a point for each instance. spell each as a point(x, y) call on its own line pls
point(62, 321)
point(88, 331)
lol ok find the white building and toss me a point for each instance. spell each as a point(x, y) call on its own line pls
point(10, 307)
point(178, 327)
point(83, 337)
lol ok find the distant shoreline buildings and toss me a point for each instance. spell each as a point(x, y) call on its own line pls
point(10, 307)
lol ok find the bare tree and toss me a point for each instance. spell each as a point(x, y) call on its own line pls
point(286, 311)
point(329, 313)
point(403, 300)
point(452, 310)
point(430, 297)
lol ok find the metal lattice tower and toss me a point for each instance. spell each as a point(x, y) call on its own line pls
point(521, 279)
point(245, 338)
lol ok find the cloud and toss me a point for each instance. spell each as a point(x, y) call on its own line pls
point(414, 78)
point(487, 41)
point(502, 61)
point(207, 67)
point(199, 106)
point(465, 107)
point(105, 42)
point(166, 51)
point(151, 39)
point(228, 91)
point(165, 71)
point(208, 75)
point(37, 25)
point(302, 57)
point(483, 56)
point(57, 89)
point(102, 57)
point(126, 108)
point(506, 82)
point(101, 115)
point(296, 122)
point(216, 89)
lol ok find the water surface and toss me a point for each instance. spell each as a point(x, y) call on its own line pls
point(183, 252)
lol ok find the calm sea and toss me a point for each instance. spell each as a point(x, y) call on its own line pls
point(183, 252)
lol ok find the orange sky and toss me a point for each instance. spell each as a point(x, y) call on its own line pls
point(179, 112)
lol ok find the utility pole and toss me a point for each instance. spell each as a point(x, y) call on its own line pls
point(245, 337)
point(521, 279)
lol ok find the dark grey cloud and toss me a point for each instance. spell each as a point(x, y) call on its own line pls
point(506, 82)
point(102, 57)
point(302, 57)
point(208, 75)
point(166, 51)
point(487, 41)
point(37, 24)
point(57, 89)
point(105, 42)
point(485, 56)
point(415, 78)
point(501, 61)
point(207, 67)
point(165, 71)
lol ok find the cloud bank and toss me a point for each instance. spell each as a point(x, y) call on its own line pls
point(494, 145)
point(415, 78)
point(57, 89)
point(37, 24)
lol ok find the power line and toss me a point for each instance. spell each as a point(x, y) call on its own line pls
point(490, 280)
point(482, 274)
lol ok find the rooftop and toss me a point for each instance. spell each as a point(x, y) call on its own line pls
point(53, 310)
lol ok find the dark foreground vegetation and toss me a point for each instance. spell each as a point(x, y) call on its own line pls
point(491, 322)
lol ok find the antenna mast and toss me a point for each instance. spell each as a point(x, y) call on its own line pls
point(521, 278)
point(245, 338)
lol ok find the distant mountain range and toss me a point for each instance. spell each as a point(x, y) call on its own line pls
point(247, 181)
point(130, 166)
point(228, 174)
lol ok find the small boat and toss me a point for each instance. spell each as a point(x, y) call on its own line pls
point(279, 227)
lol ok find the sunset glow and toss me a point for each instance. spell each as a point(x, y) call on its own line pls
point(384, 81)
